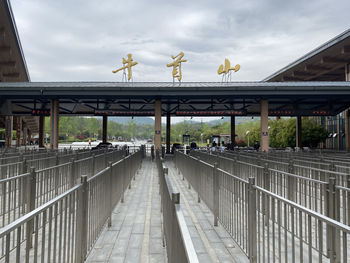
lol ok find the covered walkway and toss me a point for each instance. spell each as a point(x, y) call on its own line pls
point(136, 231)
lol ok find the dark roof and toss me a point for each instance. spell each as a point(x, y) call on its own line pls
point(85, 98)
point(12, 40)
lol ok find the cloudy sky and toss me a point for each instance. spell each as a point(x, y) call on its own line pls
point(85, 40)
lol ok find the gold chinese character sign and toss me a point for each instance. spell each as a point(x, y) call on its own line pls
point(176, 64)
point(227, 69)
point(127, 64)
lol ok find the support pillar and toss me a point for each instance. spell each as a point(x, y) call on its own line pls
point(29, 136)
point(339, 136)
point(347, 130)
point(8, 128)
point(233, 130)
point(168, 124)
point(158, 125)
point(298, 132)
point(104, 128)
point(264, 125)
point(347, 114)
point(18, 131)
point(24, 134)
point(54, 122)
point(41, 130)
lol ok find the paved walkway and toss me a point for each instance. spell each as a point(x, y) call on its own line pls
point(136, 235)
point(212, 244)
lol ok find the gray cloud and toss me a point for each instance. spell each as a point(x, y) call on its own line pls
point(85, 40)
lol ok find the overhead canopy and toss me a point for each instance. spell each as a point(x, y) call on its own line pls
point(12, 62)
point(325, 63)
point(195, 98)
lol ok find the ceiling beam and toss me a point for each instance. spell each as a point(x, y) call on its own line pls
point(315, 67)
point(290, 78)
point(11, 75)
point(327, 59)
point(10, 63)
point(345, 49)
point(5, 49)
point(302, 73)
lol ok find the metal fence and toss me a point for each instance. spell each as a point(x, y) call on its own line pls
point(267, 226)
point(17, 168)
point(178, 241)
point(65, 228)
point(308, 189)
point(47, 183)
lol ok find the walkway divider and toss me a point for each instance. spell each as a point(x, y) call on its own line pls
point(269, 227)
point(177, 238)
point(49, 183)
point(309, 192)
point(65, 228)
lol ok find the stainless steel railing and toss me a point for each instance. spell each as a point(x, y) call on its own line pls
point(267, 226)
point(47, 183)
point(304, 190)
point(178, 241)
point(65, 228)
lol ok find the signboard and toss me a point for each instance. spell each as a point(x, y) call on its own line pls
point(265, 134)
point(123, 113)
point(211, 113)
point(157, 132)
point(40, 112)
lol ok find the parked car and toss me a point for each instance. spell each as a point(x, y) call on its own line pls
point(102, 145)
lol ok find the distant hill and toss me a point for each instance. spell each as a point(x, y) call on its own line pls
point(138, 120)
point(239, 120)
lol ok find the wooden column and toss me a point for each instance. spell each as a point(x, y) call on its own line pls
point(347, 114)
point(104, 128)
point(8, 130)
point(158, 125)
point(264, 125)
point(298, 132)
point(54, 122)
point(18, 131)
point(41, 130)
point(168, 125)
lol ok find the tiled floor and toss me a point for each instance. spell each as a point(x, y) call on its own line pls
point(136, 232)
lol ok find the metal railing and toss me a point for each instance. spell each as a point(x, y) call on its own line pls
point(65, 228)
point(47, 183)
point(307, 191)
point(14, 169)
point(267, 226)
point(177, 237)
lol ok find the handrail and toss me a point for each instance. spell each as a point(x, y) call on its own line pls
point(179, 244)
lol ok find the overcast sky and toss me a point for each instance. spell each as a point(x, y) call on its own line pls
point(85, 40)
point(79, 40)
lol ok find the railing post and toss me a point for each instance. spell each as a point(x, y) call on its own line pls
point(291, 180)
point(266, 176)
point(252, 234)
point(56, 174)
point(216, 194)
point(82, 220)
point(122, 173)
point(110, 173)
point(332, 211)
point(72, 172)
point(93, 164)
point(31, 191)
